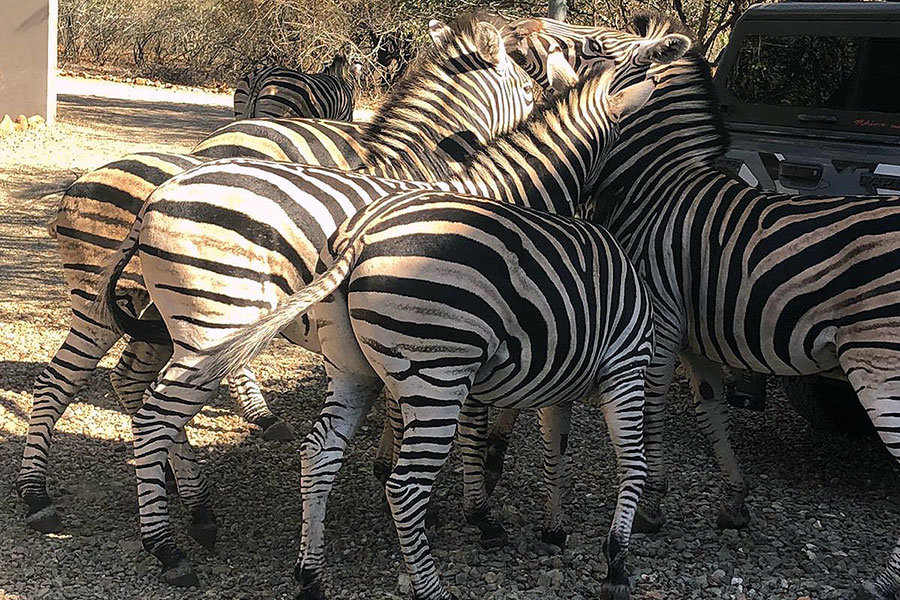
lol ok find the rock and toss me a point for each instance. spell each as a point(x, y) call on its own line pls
point(7, 126)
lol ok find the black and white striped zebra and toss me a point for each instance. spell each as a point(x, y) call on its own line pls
point(545, 165)
point(98, 209)
point(280, 92)
point(748, 279)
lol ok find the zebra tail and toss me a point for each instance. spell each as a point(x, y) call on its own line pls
point(54, 220)
point(238, 349)
point(108, 311)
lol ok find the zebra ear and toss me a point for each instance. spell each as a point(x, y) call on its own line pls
point(516, 33)
point(440, 33)
point(489, 43)
point(668, 49)
point(560, 73)
point(630, 100)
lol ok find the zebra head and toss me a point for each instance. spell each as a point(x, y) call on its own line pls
point(681, 125)
point(531, 41)
point(464, 91)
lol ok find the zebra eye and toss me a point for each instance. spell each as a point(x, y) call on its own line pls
point(594, 46)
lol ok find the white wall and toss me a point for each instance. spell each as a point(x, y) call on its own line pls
point(28, 58)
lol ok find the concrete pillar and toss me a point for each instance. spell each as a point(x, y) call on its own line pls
point(28, 58)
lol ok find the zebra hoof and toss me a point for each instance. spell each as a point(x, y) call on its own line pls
point(278, 431)
point(310, 585)
point(494, 538)
point(733, 517)
point(555, 537)
point(614, 591)
point(869, 591)
point(493, 535)
point(432, 518)
point(181, 575)
point(648, 521)
point(204, 530)
point(45, 520)
point(381, 471)
point(171, 482)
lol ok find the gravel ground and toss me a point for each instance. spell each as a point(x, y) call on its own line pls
point(817, 499)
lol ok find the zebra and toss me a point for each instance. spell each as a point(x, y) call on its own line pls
point(98, 209)
point(747, 279)
point(280, 92)
point(545, 165)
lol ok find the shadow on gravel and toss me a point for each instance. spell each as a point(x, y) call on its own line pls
point(150, 121)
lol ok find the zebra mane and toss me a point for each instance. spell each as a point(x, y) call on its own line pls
point(337, 68)
point(551, 114)
point(429, 67)
point(656, 24)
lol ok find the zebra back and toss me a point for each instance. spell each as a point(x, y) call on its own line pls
point(282, 93)
point(247, 88)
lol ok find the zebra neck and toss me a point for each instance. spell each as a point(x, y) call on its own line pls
point(420, 143)
point(546, 165)
point(675, 191)
point(675, 137)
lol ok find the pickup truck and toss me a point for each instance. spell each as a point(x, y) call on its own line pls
point(810, 92)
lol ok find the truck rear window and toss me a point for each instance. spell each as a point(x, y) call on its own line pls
point(830, 81)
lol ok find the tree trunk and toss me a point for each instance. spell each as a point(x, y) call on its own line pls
point(558, 9)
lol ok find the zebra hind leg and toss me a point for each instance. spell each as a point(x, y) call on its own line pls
point(708, 386)
point(649, 516)
point(388, 445)
point(555, 423)
point(874, 378)
point(472, 435)
point(347, 401)
point(54, 389)
point(137, 368)
point(429, 431)
point(253, 407)
point(497, 444)
point(158, 429)
point(621, 397)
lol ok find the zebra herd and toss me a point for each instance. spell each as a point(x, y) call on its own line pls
point(461, 253)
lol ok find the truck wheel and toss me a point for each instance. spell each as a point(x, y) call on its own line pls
point(827, 404)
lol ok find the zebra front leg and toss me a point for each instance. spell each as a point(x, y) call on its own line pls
point(472, 435)
point(252, 406)
point(708, 386)
point(158, 427)
point(621, 396)
point(322, 453)
point(54, 389)
point(556, 422)
point(497, 445)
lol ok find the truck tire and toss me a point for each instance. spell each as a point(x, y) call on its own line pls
point(827, 404)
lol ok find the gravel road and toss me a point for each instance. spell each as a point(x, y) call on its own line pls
point(817, 499)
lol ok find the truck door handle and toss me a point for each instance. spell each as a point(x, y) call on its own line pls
point(884, 182)
point(799, 172)
point(828, 119)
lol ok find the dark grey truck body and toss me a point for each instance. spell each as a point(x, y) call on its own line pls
point(810, 92)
